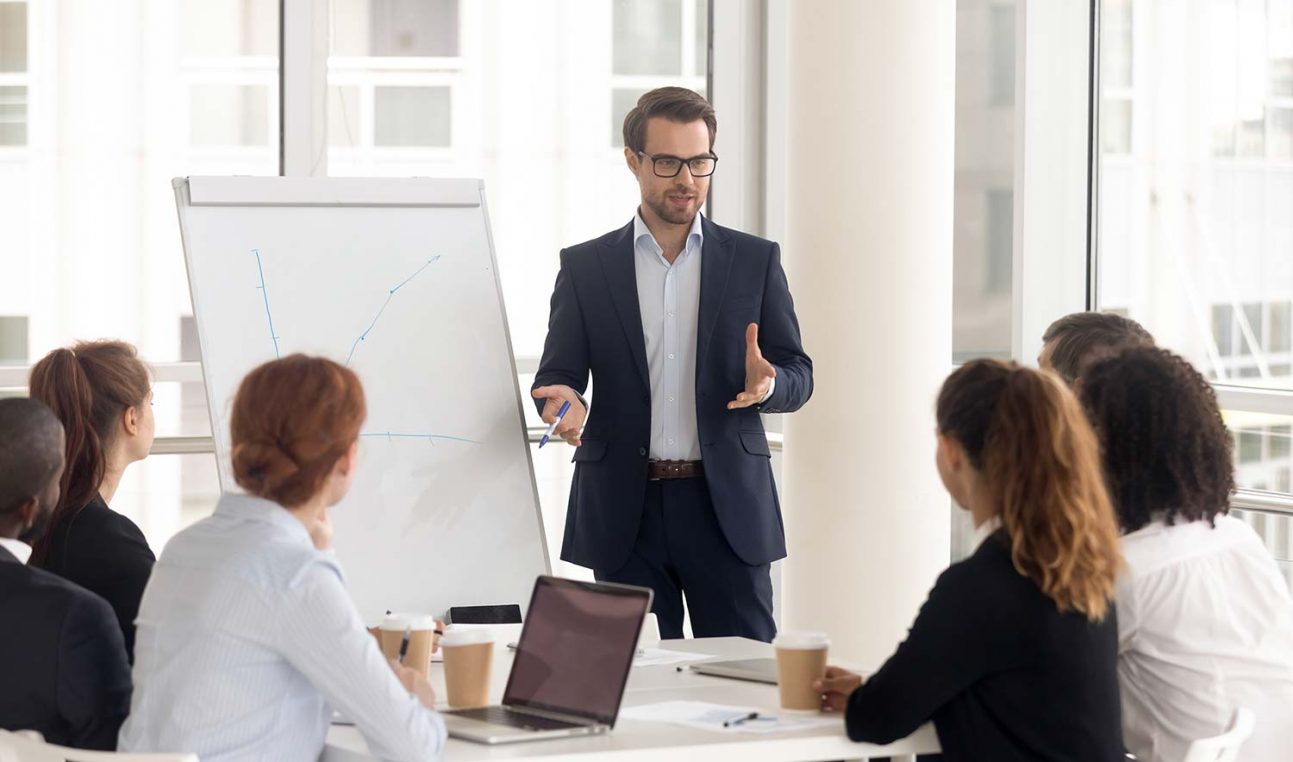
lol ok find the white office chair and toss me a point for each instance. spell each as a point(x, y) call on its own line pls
point(28, 746)
point(1225, 747)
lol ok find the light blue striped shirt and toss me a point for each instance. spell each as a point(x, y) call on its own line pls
point(247, 639)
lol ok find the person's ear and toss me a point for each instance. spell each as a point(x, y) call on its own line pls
point(27, 514)
point(130, 420)
point(348, 461)
point(632, 159)
point(952, 452)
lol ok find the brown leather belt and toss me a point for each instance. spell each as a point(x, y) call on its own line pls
point(674, 469)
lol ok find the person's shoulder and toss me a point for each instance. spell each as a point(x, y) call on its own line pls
point(58, 595)
point(591, 247)
point(98, 526)
point(740, 239)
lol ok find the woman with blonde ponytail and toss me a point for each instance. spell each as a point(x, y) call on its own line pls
point(102, 394)
point(1014, 654)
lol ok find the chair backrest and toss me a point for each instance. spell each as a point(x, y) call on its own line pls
point(1225, 747)
point(25, 746)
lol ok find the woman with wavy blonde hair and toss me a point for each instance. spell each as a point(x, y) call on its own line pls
point(1014, 654)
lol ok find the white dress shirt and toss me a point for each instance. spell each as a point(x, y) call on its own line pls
point(246, 641)
point(1205, 625)
point(19, 549)
point(669, 302)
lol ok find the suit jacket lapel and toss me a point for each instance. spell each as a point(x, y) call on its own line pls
point(715, 267)
point(622, 283)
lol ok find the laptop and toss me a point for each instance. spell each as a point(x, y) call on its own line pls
point(754, 670)
point(571, 665)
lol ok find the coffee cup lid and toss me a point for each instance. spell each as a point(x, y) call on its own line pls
point(805, 639)
point(454, 636)
point(401, 622)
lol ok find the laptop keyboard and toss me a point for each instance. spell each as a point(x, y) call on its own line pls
point(501, 715)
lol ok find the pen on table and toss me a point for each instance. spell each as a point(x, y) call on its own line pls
point(555, 422)
point(739, 720)
point(404, 644)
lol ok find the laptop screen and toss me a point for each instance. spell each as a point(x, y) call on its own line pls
point(577, 647)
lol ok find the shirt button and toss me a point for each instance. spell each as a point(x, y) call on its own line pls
point(671, 399)
point(641, 451)
point(670, 441)
point(671, 314)
point(671, 355)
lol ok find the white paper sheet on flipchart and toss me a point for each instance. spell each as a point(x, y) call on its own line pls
point(707, 716)
point(659, 657)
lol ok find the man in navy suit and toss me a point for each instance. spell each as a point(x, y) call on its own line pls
point(63, 669)
point(689, 332)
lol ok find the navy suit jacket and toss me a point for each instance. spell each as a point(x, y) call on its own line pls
point(596, 326)
point(63, 669)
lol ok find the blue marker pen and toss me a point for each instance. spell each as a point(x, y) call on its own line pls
point(553, 426)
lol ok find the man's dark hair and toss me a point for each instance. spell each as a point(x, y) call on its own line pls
point(1166, 452)
point(1075, 338)
point(677, 104)
point(31, 451)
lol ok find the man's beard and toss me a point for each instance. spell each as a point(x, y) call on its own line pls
point(663, 211)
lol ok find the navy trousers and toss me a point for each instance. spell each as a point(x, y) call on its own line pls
point(681, 550)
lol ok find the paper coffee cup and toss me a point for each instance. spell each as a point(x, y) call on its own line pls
point(468, 657)
point(421, 629)
point(801, 659)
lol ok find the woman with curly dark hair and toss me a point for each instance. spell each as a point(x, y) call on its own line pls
point(1205, 621)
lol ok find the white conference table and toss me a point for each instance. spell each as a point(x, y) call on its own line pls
point(638, 741)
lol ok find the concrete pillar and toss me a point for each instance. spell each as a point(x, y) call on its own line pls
point(871, 95)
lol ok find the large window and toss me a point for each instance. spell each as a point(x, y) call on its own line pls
point(1196, 207)
point(99, 109)
point(983, 217)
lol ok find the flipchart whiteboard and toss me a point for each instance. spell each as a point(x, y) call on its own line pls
point(397, 279)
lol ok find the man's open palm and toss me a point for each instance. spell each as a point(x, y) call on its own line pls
point(758, 372)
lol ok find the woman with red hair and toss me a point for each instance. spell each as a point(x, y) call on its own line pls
point(247, 636)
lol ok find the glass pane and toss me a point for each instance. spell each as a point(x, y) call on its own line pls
point(13, 37)
point(1196, 236)
point(402, 28)
point(622, 102)
point(412, 116)
point(89, 244)
point(13, 340)
point(983, 227)
point(13, 115)
point(702, 36)
point(228, 115)
point(1276, 530)
point(343, 116)
point(1263, 449)
point(1116, 43)
point(647, 37)
point(228, 28)
point(1115, 125)
point(527, 100)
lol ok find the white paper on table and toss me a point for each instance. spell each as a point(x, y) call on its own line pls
point(656, 657)
point(707, 716)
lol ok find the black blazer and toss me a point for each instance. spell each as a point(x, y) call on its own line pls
point(105, 553)
point(1001, 672)
point(596, 326)
point(63, 669)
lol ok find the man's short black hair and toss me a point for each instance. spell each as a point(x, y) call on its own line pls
point(1075, 338)
point(31, 451)
point(1166, 451)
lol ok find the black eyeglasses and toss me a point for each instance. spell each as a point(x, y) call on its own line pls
point(669, 166)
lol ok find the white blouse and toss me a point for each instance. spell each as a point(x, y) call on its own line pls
point(1205, 625)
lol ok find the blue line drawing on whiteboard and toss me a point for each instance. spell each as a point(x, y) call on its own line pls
point(429, 437)
point(389, 296)
point(264, 292)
